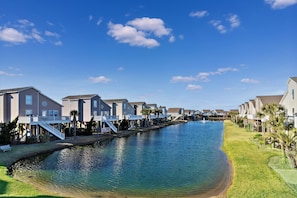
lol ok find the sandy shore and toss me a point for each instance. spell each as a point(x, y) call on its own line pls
point(20, 152)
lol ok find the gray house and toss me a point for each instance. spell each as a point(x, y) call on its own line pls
point(37, 113)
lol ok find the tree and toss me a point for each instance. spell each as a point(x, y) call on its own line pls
point(287, 141)
point(276, 115)
point(7, 130)
point(74, 113)
point(146, 112)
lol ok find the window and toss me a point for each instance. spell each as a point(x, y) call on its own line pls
point(28, 112)
point(28, 99)
point(95, 103)
point(53, 112)
point(293, 94)
point(44, 112)
point(293, 111)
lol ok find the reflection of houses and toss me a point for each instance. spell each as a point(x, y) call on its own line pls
point(289, 101)
point(176, 113)
point(37, 113)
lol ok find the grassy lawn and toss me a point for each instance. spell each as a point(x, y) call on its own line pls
point(10, 187)
point(252, 177)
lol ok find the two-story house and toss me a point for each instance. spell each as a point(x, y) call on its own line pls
point(35, 111)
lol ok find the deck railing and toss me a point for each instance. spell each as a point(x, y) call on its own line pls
point(30, 119)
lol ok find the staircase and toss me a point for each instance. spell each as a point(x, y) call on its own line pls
point(109, 124)
point(52, 130)
point(177, 117)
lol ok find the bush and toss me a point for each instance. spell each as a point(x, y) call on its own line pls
point(32, 140)
point(44, 138)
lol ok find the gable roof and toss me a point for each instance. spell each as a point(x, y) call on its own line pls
point(115, 100)
point(270, 99)
point(294, 79)
point(174, 110)
point(77, 97)
point(20, 89)
point(16, 90)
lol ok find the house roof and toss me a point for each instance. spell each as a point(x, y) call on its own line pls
point(137, 103)
point(16, 90)
point(77, 97)
point(115, 100)
point(174, 110)
point(294, 79)
point(270, 99)
point(19, 89)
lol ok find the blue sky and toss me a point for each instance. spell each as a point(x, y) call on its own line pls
point(195, 54)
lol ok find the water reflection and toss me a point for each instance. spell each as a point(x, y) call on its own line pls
point(177, 161)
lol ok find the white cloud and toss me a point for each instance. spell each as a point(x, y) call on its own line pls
point(90, 18)
point(120, 68)
point(26, 22)
point(280, 4)
point(234, 20)
point(58, 43)
point(223, 70)
point(130, 35)
point(249, 80)
point(99, 79)
point(139, 32)
point(217, 24)
point(193, 87)
point(152, 25)
point(202, 76)
point(36, 35)
point(53, 34)
point(12, 35)
point(23, 31)
point(3, 73)
point(199, 14)
point(183, 79)
point(99, 21)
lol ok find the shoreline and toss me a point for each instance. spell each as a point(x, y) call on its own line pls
point(29, 150)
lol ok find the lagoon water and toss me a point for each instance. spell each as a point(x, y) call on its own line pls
point(179, 160)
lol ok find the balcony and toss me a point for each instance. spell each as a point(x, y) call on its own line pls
point(47, 119)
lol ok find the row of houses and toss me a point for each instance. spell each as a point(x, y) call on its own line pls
point(250, 109)
point(38, 113)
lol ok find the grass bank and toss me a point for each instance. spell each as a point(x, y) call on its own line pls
point(252, 177)
point(10, 187)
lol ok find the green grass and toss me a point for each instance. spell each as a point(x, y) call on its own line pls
point(10, 187)
point(252, 177)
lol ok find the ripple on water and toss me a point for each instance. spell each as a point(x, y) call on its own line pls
point(179, 160)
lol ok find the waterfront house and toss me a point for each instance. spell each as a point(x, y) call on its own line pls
point(261, 101)
point(289, 100)
point(90, 106)
point(37, 113)
point(176, 113)
point(121, 108)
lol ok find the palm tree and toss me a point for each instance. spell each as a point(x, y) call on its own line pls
point(276, 116)
point(74, 113)
point(146, 112)
point(287, 141)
